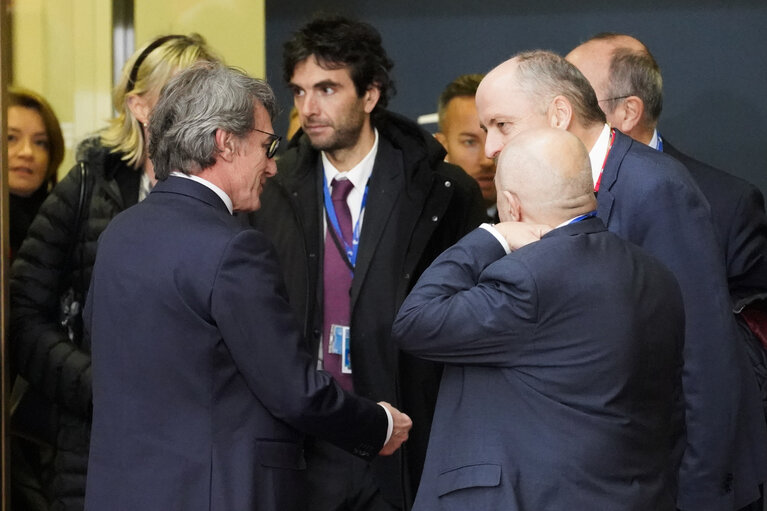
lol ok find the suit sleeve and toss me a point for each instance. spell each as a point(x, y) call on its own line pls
point(747, 250)
point(460, 313)
point(251, 310)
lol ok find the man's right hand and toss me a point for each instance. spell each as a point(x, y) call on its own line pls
point(399, 434)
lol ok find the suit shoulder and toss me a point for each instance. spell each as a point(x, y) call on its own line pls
point(649, 169)
point(714, 181)
point(655, 159)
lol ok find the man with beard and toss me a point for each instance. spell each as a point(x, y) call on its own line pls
point(361, 205)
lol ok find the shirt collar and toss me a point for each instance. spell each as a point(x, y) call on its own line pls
point(654, 141)
point(359, 174)
point(218, 191)
point(598, 153)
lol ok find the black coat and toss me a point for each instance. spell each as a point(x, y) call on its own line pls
point(54, 365)
point(22, 211)
point(737, 210)
point(417, 207)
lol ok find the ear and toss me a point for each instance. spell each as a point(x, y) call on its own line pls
point(560, 113)
point(628, 115)
point(442, 139)
point(514, 207)
point(139, 107)
point(371, 97)
point(225, 144)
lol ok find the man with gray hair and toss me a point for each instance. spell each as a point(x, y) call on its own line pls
point(524, 324)
point(627, 77)
point(201, 380)
point(650, 199)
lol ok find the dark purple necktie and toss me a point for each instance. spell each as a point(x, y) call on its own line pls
point(337, 281)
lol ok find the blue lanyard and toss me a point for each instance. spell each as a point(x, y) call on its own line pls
point(351, 251)
point(582, 217)
point(659, 147)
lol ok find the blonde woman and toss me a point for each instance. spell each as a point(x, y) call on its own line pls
point(51, 272)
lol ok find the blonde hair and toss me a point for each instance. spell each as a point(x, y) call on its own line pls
point(18, 96)
point(156, 65)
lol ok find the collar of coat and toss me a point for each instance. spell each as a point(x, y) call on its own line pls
point(420, 150)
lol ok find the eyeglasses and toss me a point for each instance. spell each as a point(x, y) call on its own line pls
point(273, 145)
point(615, 98)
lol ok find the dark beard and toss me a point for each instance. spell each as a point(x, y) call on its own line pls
point(346, 135)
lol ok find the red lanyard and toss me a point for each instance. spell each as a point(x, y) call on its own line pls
point(609, 146)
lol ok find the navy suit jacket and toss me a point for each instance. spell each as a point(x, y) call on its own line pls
point(737, 210)
point(200, 376)
point(562, 381)
point(650, 199)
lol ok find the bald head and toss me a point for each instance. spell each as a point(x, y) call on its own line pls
point(544, 177)
point(627, 81)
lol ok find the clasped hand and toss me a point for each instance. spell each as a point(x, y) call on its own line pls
point(399, 434)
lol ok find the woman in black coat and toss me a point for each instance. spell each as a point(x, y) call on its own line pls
point(35, 151)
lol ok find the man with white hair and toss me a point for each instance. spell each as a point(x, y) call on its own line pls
point(202, 386)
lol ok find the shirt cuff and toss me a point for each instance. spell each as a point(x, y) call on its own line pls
point(492, 230)
point(390, 427)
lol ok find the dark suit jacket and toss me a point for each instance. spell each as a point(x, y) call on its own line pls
point(737, 210)
point(562, 382)
point(417, 207)
point(200, 376)
point(650, 199)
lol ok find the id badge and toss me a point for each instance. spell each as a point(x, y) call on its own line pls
point(346, 358)
point(336, 344)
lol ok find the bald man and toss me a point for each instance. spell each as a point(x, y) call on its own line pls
point(650, 199)
point(562, 347)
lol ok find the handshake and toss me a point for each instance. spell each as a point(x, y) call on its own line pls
point(401, 426)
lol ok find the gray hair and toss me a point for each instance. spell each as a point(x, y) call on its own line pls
point(635, 73)
point(543, 75)
point(192, 106)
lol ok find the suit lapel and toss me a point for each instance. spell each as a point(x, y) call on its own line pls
point(605, 196)
point(386, 183)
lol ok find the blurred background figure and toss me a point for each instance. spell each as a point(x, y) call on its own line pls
point(35, 151)
point(52, 270)
point(294, 123)
point(463, 138)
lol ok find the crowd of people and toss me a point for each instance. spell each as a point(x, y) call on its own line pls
point(543, 306)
